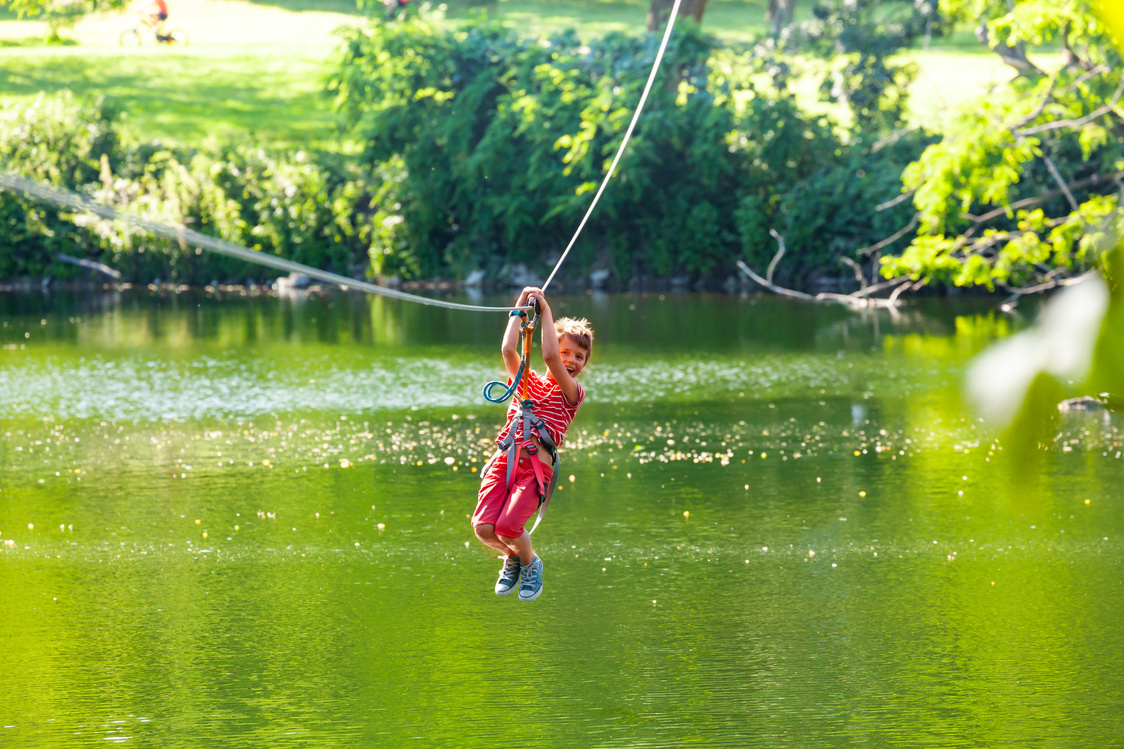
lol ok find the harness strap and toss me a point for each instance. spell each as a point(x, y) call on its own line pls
point(532, 423)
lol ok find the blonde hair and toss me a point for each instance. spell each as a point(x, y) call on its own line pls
point(578, 329)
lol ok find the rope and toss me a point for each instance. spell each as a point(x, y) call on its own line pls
point(194, 238)
point(509, 390)
point(526, 332)
point(627, 135)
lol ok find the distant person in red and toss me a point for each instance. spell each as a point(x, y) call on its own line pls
point(154, 14)
point(394, 8)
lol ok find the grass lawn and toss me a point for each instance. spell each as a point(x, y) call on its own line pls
point(256, 69)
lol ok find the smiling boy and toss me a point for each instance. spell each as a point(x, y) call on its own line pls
point(505, 504)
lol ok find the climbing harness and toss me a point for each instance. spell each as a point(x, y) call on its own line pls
point(525, 416)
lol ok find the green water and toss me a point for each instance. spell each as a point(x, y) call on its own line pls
point(243, 523)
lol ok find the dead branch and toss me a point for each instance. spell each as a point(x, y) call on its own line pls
point(1061, 182)
point(89, 265)
point(773, 287)
point(1053, 283)
point(895, 201)
point(858, 299)
point(776, 258)
point(867, 251)
point(875, 288)
point(857, 269)
point(893, 300)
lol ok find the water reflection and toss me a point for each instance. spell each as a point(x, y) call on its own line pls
point(243, 524)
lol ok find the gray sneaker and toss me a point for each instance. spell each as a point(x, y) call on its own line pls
point(509, 576)
point(531, 587)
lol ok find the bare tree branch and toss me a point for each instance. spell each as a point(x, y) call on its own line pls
point(859, 275)
point(89, 265)
point(1046, 286)
point(1061, 182)
point(874, 288)
point(857, 299)
point(895, 201)
point(776, 258)
point(890, 239)
point(893, 300)
point(771, 286)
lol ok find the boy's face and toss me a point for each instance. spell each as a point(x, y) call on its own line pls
point(574, 355)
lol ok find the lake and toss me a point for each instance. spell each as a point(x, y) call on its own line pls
point(241, 522)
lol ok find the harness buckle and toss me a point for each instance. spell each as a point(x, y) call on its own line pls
point(532, 449)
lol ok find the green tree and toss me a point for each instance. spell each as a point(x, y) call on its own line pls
point(503, 140)
point(1022, 192)
point(1075, 348)
point(861, 42)
point(659, 11)
point(60, 14)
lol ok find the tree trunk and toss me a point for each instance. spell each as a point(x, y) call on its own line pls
point(781, 13)
point(1014, 56)
point(661, 9)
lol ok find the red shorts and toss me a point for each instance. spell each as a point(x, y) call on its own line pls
point(509, 511)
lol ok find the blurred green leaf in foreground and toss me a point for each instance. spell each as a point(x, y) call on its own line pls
point(1075, 348)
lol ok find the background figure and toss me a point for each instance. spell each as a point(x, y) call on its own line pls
point(395, 8)
point(780, 13)
point(154, 14)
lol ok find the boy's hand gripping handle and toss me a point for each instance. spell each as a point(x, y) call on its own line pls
point(528, 331)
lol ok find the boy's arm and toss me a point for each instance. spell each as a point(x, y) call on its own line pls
point(510, 346)
point(550, 353)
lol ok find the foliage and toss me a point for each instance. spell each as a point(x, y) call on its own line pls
point(60, 14)
point(504, 140)
point(1022, 190)
point(836, 210)
point(308, 210)
point(1074, 349)
point(860, 39)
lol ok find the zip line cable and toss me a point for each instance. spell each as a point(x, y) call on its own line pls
point(627, 135)
point(182, 234)
point(221, 246)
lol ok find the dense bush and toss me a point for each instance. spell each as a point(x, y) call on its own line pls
point(310, 210)
point(503, 140)
point(839, 209)
point(483, 149)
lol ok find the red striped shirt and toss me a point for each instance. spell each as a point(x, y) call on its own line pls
point(550, 404)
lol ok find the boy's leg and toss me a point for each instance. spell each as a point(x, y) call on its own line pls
point(490, 504)
point(486, 532)
point(524, 501)
point(520, 547)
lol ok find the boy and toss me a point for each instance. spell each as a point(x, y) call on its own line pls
point(502, 510)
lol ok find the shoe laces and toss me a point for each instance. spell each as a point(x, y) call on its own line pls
point(531, 575)
point(510, 567)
